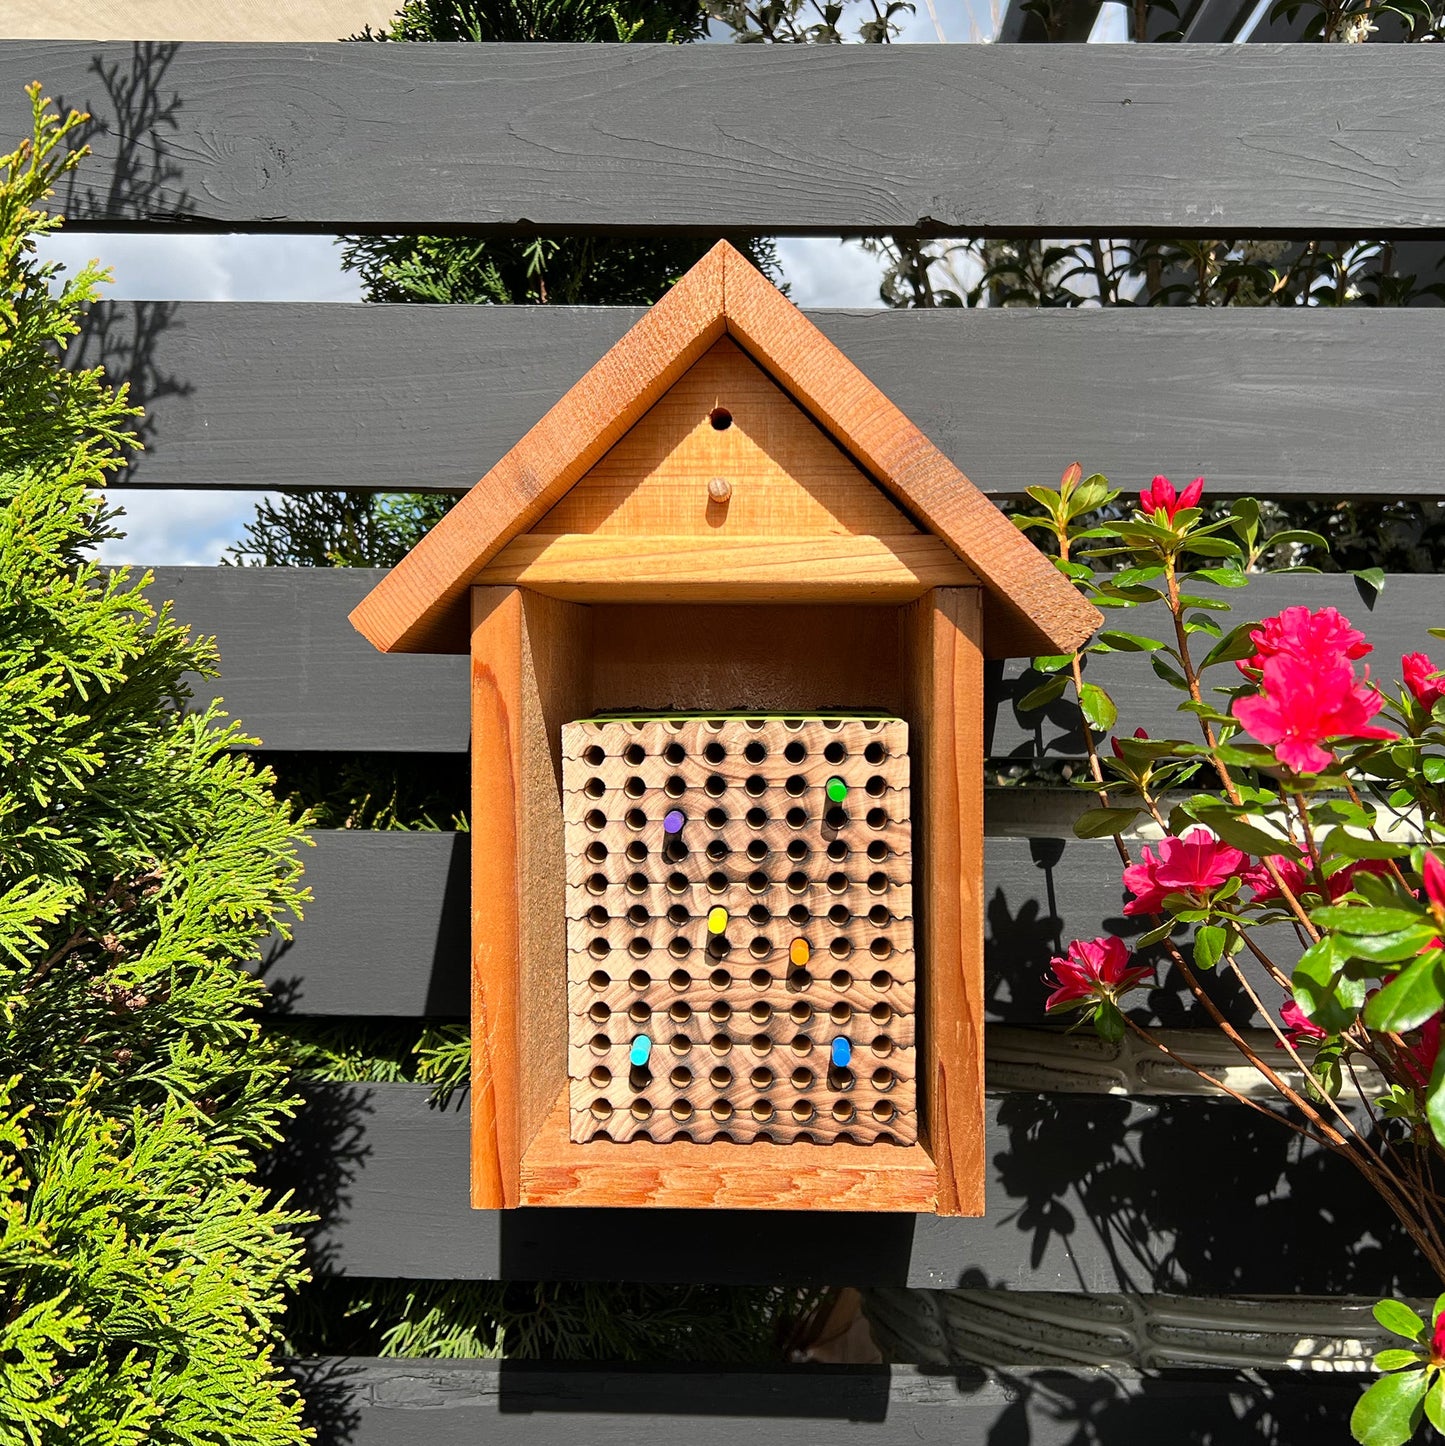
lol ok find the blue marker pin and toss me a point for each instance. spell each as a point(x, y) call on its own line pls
point(842, 1053)
point(641, 1048)
point(673, 820)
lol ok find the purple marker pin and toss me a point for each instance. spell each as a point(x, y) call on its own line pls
point(673, 820)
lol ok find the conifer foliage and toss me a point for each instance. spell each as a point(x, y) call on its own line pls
point(141, 858)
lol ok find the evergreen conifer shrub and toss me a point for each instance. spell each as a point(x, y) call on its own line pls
point(142, 1269)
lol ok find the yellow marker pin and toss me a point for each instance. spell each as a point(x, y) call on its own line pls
point(717, 919)
point(799, 952)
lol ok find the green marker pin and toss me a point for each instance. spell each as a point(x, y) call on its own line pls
point(717, 919)
point(837, 790)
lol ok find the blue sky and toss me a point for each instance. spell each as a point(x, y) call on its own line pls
point(196, 526)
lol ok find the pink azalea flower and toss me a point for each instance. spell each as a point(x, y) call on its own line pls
point(1437, 1340)
point(1299, 1026)
point(1160, 496)
point(1301, 705)
point(1324, 638)
point(1114, 742)
point(1092, 969)
point(1421, 1054)
point(1193, 863)
point(1433, 875)
point(1420, 679)
point(1298, 882)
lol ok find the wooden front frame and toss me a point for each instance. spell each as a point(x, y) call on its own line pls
point(537, 662)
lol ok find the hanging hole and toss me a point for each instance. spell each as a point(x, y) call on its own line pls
point(882, 1046)
point(675, 786)
point(637, 851)
point(680, 979)
point(843, 1111)
point(637, 883)
point(633, 755)
point(601, 1110)
point(877, 883)
point(756, 785)
point(757, 818)
point(716, 785)
point(840, 1080)
point(680, 949)
point(639, 949)
point(837, 883)
point(679, 1044)
point(842, 981)
point(875, 753)
point(884, 1111)
point(797, 850)
point(677, 915)
point(719, 946)
point(639, 979)
point(599, 948)
point(597, 916)
point(882, 980)
point(801, 1044)
point(594, 788)
point(877, 818)
point(720, 1044)
point(641, 1110)
point(721, 1110)
point(716, 817)
point(798, 914)
point(757, 882)
point(802, 1078)
point(636, 819)
point(881, 948)
point(841, 948)
point(799, 980)
point(717, 882)
point(597, 852)
point(760, 1012)
point(841, 1013)
point(802, 1112)
point(717, 850)
point(639, 1012)
point(761, 1078)
point(681, 1077)
point(720, 979)
point(837, 851)
point(796, 785)
point(720, 1077)
point(880, 1014)
point(801, 1012)
point(596, 820)
point(634, 787)
point(878, 916)
point(714, 752)
point(797, 882)
point(876, 786)
point(762, 1110)
point(835, 752)
point(599, 979)
point(761, 947)
point(877, 851)
point(836, 816)
point(675, 753)
point(797, 817)
point(593, 756)
point(884, 1079)
point(601, 1076)
point(720, 1012)
point(839, 915)
point(756, 751)
point(681, 1110)
point(759, 915)
point(599, 1044)
point(720, 418)
point(679, 1013)
point(757, 850)
point(760, 1044)
point(676, 883)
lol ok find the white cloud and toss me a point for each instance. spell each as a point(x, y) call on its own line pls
point(184, 528)
point(827, 272)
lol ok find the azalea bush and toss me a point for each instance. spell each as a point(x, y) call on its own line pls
point(1298, 821)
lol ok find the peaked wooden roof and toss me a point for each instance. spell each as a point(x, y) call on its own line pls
point(421, 605)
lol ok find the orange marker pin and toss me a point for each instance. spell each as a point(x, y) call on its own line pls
point(799, 952)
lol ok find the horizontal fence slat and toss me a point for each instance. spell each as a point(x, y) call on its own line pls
point(298, 675)
point(387, 933)
point(262, 395)
point(360, 1401)
point(707, 139)
point(1091, 1193)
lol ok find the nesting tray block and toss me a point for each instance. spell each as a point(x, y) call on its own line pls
point(739, 1013)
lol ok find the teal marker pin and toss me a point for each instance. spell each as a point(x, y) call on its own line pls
point(642, 1047)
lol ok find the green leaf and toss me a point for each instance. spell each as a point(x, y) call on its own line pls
point(1372, 576)
point(1233, 647)
point(1104, 822)
point(1130, 642)
point(1388, 1413)
point(1297, 537)
point(1399, 1319)
point(1098, 707)
point(1242, 834)
point(1222, 576)
point(1209, 941)
point(1414, 995)
point(1435, 1113)
point(1365, 919)
point(1109, 1022)
point(1323, 990)
point(1435, 1405)
point(1387, 948)
point(1395, 1357)
point(1043, 695)
point(1170, 675)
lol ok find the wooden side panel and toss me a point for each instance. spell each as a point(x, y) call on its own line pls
point(944, 671)
point(529, 669)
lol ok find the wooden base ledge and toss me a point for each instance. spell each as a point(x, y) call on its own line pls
point(590, 567)
point(735, 1177)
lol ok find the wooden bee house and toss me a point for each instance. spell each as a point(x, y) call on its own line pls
point(727, 612)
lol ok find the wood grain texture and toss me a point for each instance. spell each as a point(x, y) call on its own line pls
point(1084, 1194)
point(583, 567)
point(1032, 140)
point(1031, 608)
point(786, 477)
point(418, 606)
point(430, 1402)
point(431, 396)
point(942, 637)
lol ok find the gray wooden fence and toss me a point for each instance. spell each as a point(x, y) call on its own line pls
point(1100, 1182)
